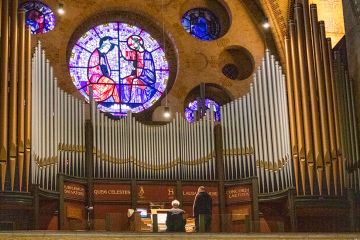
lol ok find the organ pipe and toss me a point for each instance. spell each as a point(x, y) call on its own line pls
point(291, 106)
point(4, 90)
point(321, 92)
point(21, 95)
point(13, 83)
point(28, 105)
point(304, 79)
point(329, 101)
point(315, 118)
point(337, 158)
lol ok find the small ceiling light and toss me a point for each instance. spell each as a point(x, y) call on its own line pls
point(266, 24)
point(60, 9)
point(167, 112)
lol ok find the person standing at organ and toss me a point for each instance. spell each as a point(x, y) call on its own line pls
point(202, 207)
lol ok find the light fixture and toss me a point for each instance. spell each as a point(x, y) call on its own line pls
point(167, 113)
point(266, 24)
point(60, 9)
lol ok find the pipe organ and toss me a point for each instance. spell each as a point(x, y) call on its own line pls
point(15, 67)
point(255, 136)
point(285, 133)
point(123, 149)
point(256, 131)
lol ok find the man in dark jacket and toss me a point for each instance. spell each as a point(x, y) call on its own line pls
point(175, 221)
point(202, 206)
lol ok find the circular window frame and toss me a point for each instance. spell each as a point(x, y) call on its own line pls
point(151, 27)
point(51, 13)
point(217, 7)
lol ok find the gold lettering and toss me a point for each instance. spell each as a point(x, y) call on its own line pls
point(170, 191)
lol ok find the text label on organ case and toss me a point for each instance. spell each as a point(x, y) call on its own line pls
point(238, 193)
point(74, 191)
point(109, 192)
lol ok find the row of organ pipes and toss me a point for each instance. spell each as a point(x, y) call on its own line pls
point(320, 108)
point(256, 139)
point(345, 98)
point(127, 149)
point(15, 98)
point(58, 127)
point(287, 132)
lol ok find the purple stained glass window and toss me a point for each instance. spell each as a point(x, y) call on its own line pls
point(201, 23)
point(39, 17)
point(126, 68)
point(193, 107)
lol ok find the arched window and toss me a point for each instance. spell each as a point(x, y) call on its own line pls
point(193, 108)
point(39, 17)
point(201, 23)
point(125, 66)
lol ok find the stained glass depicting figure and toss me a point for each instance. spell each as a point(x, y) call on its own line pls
point(125, 66)
point(201, 23)
point(39, 17)
point(193, 109)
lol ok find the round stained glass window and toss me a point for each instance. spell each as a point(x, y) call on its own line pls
point(126, 68)
point(39, 17)
point(202, 24)
point(193, 107)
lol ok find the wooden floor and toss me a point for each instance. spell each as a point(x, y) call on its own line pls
point(48, 235)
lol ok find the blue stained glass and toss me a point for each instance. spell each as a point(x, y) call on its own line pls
point(124, 65)
point(193, 107)
point(39, 17)
point(201, 23)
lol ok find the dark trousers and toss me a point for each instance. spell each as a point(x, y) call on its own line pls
point(207, 219)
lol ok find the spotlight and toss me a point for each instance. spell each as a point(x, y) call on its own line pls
point(167, 112)
point(60, 9)
point(266, 24)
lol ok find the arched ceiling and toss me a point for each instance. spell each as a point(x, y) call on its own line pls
point(278, 11)
point(198, 61)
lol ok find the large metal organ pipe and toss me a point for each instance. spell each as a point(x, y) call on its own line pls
point(13, 83)
point(256, 139)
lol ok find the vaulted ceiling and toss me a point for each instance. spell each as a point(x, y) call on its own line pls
point(197, 61)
